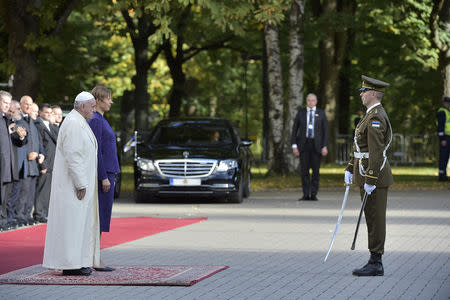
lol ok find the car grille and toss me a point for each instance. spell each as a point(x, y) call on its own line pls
point(186, 167)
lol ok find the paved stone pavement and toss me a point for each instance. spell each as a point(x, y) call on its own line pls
point(275, 246)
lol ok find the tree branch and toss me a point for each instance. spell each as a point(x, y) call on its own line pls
point(130, 25)
point(434, 26)
point(193, 51)
point(63, 14)
point(154, 56)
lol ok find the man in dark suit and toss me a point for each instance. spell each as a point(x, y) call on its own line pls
point(48, 136)
point(310, 141)
point(33, 149)
point(8, 163)
point(22, 166)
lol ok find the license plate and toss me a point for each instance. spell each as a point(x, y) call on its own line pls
point(185, 181)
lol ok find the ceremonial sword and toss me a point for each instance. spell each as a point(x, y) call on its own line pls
point(359, 219)
point(347, 187)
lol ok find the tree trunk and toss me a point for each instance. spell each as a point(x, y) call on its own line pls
point(141, 96)
point(444, 55)
point(23, 20)
point(332, 53)
point(265, 104)
point(140, 30)
point(21, 24)
point(296, 60)
point(343, 117)
point(277, 162)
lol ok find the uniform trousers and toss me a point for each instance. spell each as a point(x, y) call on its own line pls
point(5, 191)
point(310, 159)
point(41, 201)
point(375, 214)
point(26, 198)
point(444, 153)
point(12, 202)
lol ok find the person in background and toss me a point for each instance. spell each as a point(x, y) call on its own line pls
point(371, 170)
point(34, 111)
point(9, 134)
point(57, 111)
point(443, 131)
point(22, 166)
point(108, 164)
point(34, 155)
point(72, 242)
point(310, 141)
point(48, 136)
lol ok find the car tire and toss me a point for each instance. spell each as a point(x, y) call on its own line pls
point(140, 197)
point(237, 196)
point(247, 187)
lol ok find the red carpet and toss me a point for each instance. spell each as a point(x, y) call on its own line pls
point(25, 247)
point(123, 275)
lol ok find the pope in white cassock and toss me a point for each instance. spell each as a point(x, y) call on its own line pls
point(72, 243)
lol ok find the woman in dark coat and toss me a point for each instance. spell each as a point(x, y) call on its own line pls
point(107, 161)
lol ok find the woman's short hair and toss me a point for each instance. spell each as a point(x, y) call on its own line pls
point(101, 93)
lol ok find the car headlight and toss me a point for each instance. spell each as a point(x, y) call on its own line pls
point(226, 165)
point(146, 165)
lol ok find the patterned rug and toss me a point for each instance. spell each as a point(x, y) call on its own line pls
point(123, 275)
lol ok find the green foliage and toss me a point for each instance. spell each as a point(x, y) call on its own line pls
point(94, 47)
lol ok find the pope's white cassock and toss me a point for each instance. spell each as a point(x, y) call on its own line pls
point(73, 234)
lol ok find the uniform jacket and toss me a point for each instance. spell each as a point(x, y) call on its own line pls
point(73, 233)
point(107, 147)
point(48, 141)
point(372, 135)
point(320, 130)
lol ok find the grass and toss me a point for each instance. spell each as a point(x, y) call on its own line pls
point(331, 175)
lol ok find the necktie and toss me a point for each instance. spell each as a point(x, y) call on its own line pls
point(27, 119)
point(310, 124)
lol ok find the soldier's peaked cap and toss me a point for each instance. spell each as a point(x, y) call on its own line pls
point(372, 84)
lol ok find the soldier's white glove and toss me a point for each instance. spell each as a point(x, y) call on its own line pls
point(348, 177)
point(369, 188)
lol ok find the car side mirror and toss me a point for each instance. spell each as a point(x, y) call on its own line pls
point(246, 143)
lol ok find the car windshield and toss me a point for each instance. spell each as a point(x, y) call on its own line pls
point(191, 134)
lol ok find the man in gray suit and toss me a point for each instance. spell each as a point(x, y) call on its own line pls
point(310, 141)
point(48, 134)
point(9, 133)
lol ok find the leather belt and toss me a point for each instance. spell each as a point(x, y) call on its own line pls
point(361, 154)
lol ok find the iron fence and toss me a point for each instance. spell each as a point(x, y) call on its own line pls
point(410, 149)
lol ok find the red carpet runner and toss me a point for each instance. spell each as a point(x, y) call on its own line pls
point(25, 247)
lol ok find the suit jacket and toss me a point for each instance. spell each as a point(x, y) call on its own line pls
point(320, 130)
point(107, 147)
point(48, 141)
point(33, 144)
point(8, 157)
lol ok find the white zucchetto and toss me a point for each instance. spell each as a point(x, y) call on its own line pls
point(84, 96)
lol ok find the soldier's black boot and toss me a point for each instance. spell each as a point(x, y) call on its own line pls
point(373, 268)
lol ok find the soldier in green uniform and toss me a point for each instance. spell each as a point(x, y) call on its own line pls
point(443, 129)
point(370, 168)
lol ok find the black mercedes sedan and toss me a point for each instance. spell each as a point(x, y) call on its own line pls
point(192, 157)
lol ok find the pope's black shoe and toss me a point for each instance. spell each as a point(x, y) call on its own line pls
point(104, 269)
point(78, 272)
point(313, 198)
point(374, 267)
point(304, 198)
